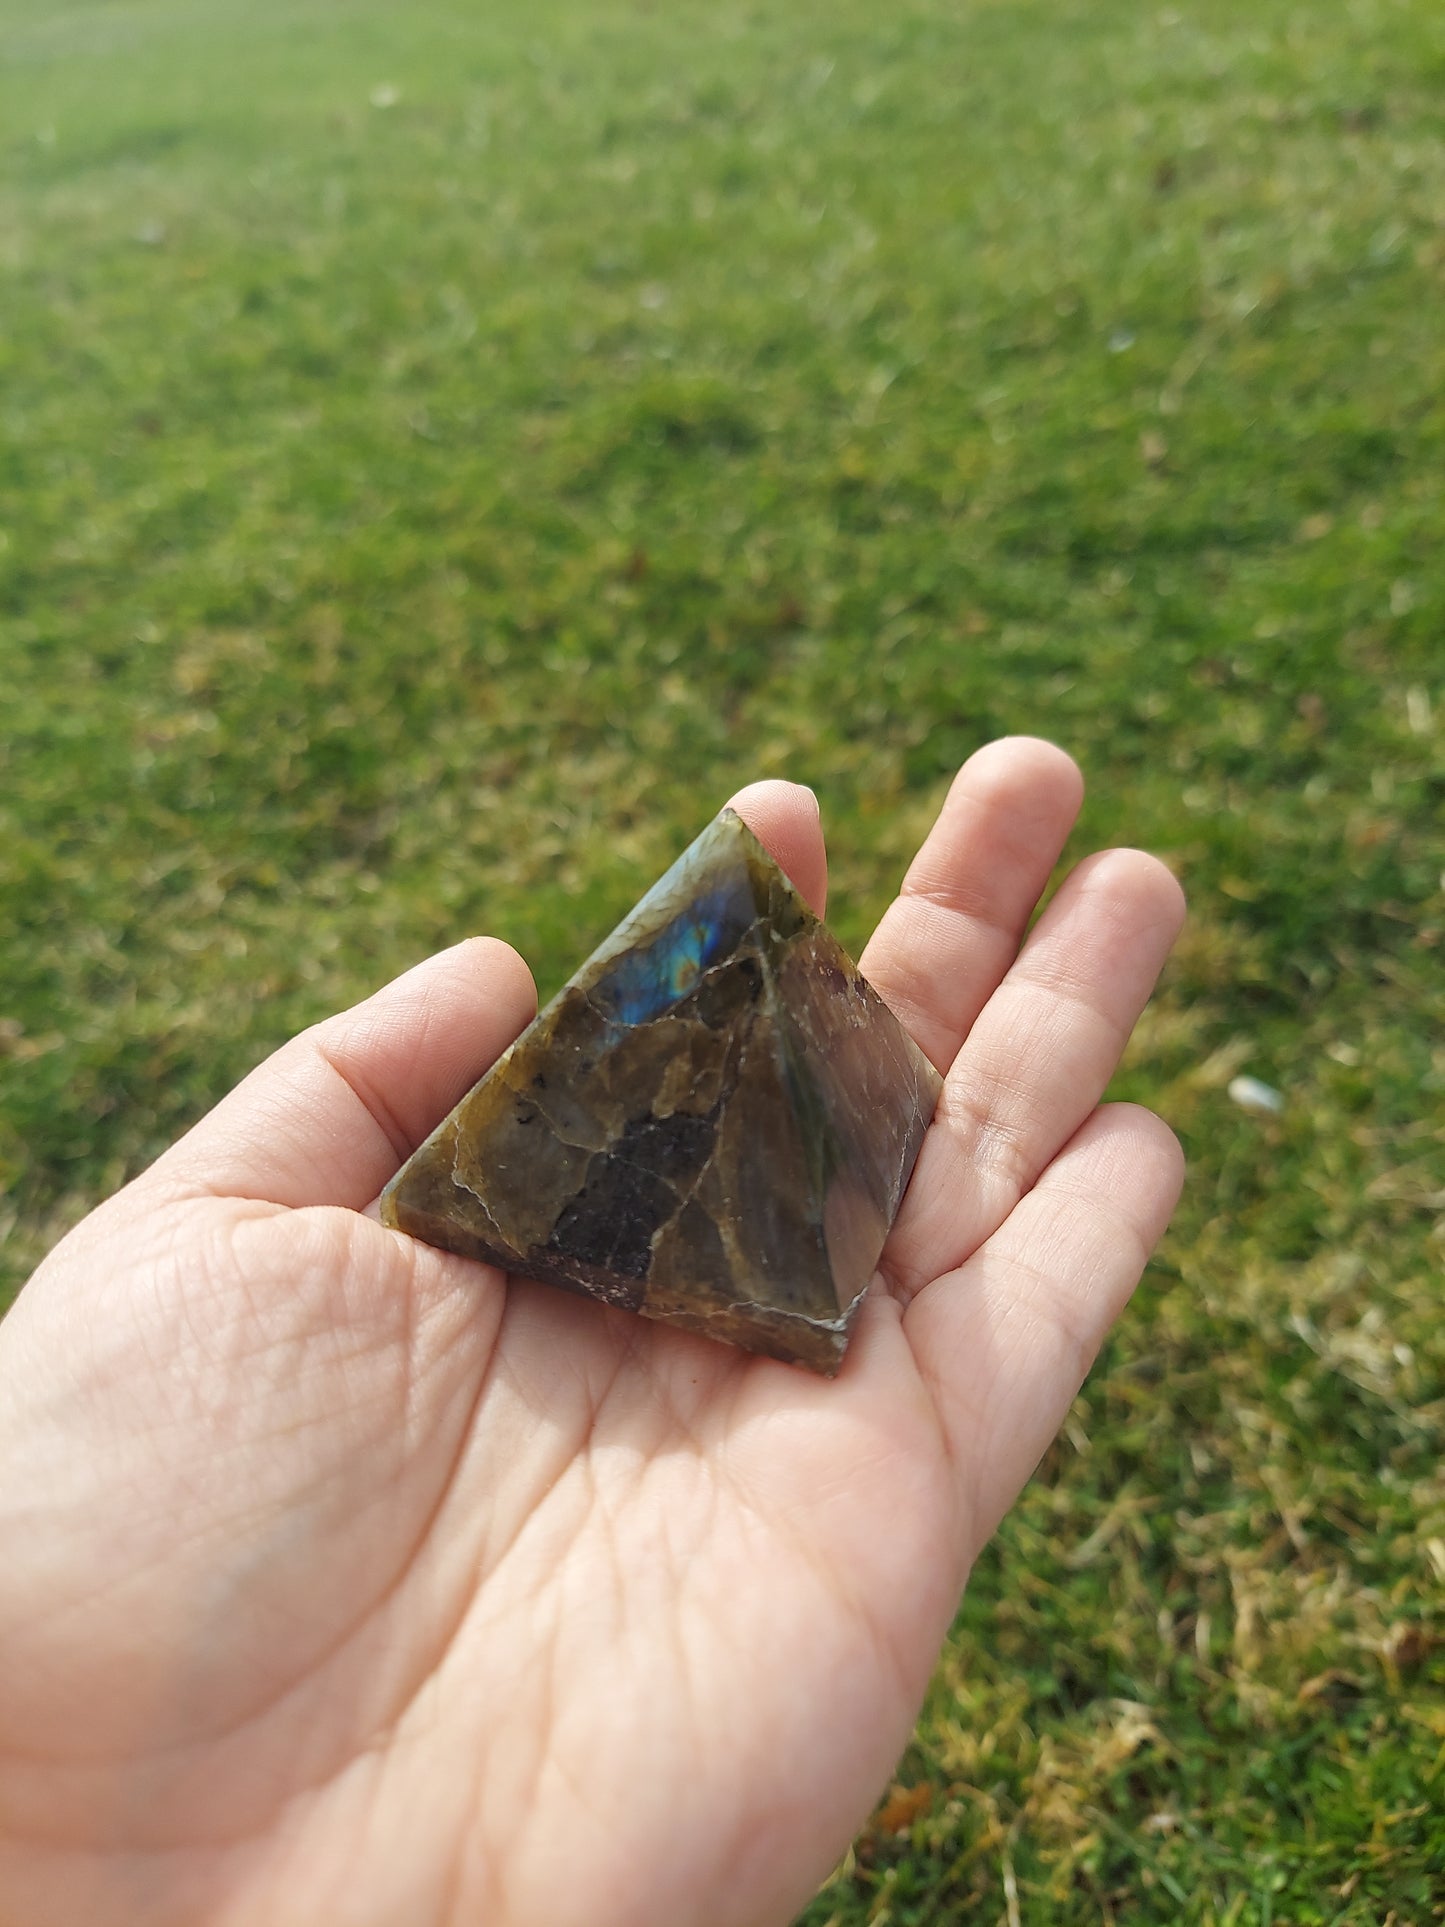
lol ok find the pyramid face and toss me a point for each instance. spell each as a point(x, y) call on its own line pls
point(713, 1123)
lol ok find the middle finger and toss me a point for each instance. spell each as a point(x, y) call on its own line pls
point(1037, 1059)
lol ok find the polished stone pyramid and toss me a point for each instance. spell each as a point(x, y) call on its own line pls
point(713, 1123)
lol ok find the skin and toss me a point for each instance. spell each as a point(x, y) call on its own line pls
point(347, 1581)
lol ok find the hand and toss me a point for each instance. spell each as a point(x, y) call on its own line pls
point(346, 1581)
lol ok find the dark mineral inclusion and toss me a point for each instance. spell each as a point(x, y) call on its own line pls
point(713, 1123)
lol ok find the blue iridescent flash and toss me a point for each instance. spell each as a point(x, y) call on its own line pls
point(644, 983)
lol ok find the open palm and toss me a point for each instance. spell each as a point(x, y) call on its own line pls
point(346, 1581)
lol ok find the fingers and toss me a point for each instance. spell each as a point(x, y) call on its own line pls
point(1037, 1059)
point(956, 925)
point(1005, 1341)
point(332, 1115)
point(784, 819)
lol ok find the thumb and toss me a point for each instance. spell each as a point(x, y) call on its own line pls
point(332, 1115)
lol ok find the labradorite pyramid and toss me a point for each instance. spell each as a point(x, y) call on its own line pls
point(713, 1123)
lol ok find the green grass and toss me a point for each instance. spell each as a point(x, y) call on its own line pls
point(440, 456)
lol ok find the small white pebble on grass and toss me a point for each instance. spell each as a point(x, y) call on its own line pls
point(1260, 1100)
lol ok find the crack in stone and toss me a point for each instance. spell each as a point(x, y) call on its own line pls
point(725, 1095)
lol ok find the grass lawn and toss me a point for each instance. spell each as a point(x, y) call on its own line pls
point(442, 454)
